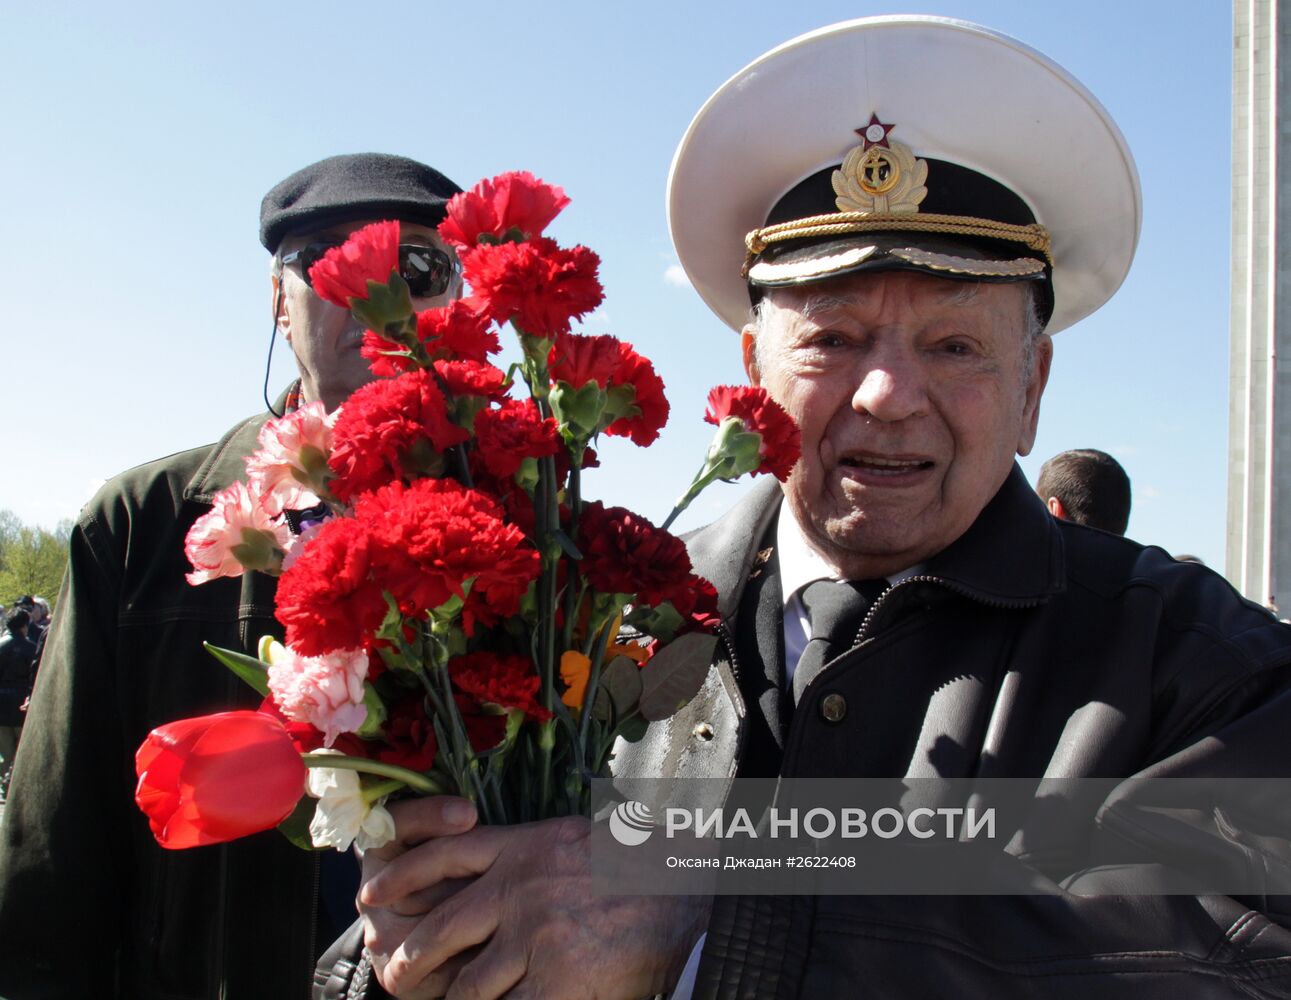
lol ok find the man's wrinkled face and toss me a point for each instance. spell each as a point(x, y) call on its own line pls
point(325, 338)
point(913, 394)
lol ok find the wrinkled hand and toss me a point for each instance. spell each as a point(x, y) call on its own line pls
point(475, 913)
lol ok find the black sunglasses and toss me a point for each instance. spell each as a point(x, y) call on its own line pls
point(428, 270)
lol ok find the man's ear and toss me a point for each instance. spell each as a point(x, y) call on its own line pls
point(749, 349)
point(1057, 509)
point(1034, 390)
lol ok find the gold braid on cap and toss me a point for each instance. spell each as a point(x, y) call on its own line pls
point(1033, 236)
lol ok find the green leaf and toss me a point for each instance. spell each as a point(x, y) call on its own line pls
point(661, 622)
point(620, 689)
point(376, 717)
point(296, 826)
point(634, 729)
point(675, 674)
point(255, 672)
point(566, 543)
point(579, 411)
point(387, 307)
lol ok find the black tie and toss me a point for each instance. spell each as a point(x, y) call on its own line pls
point(836, 611)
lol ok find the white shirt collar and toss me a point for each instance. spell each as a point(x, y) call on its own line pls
point(800, 564)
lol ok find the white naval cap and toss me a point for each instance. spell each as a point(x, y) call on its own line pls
point(905, 142)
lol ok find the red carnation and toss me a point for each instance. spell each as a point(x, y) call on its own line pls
point(637, 371)
point(327, 599)
point(612, 363)
point(578, 359)
point(515, 201)
point(623, 553)
point(409, 735)
point(434, 537)
point(458, 330)
point(697, 603)
point(506, 680)
point(513, 432)
point(370, 254)
point(485, 728)
point(385, 358)
point(217, 777)
point(781, 441)
point(472, 378)
point(538, 284)
point(515, 501)
point(390, 430)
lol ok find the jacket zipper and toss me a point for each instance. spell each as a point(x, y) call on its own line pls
point(728, 641)
point(970, 593)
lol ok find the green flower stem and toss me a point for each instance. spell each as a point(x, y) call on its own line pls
point(546, 743)
point(381, 790)
point(573, 497)
point(589, 693)
point(465, 765)
point(413, 779)
point(548, 522)
point(709, 474)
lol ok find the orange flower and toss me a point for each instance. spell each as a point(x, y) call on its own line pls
point(574, 670)
point(632, 651)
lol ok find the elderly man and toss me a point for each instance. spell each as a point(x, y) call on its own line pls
point(925, 202)
point(89, 904)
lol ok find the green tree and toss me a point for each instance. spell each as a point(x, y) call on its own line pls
point(32, 559)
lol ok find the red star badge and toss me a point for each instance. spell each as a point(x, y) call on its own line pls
point(875, 133)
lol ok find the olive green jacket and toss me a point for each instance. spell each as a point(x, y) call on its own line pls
point(90, 905)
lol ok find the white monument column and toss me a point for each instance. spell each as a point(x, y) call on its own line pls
point(1258, 560)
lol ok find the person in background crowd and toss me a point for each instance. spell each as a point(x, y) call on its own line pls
point(90, 905)
point(17, 669)
point(1088, 487)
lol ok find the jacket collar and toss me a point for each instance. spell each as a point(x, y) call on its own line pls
point(1011, 555)
point(226, 462)
point(723, 552)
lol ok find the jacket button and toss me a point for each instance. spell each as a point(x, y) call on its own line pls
point(833, 707)
point(703, 731)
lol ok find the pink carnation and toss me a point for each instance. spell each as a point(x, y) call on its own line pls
point(292, 459)
point(325, 691)
point(235, 535)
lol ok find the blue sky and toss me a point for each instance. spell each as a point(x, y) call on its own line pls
point(140, 139)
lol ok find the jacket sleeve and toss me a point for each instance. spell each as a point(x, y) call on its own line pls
point(63, 861)
point(344, 970)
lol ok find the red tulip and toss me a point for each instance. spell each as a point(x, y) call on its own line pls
point(217, 777)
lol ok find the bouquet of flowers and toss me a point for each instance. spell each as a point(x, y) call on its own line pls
point(458, 617)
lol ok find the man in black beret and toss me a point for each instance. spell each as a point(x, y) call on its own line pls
point(90, 905)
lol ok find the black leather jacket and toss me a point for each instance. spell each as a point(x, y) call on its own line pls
point(17, 657)
point(1028, 648)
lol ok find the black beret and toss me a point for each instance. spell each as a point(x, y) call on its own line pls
point(352, 187)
